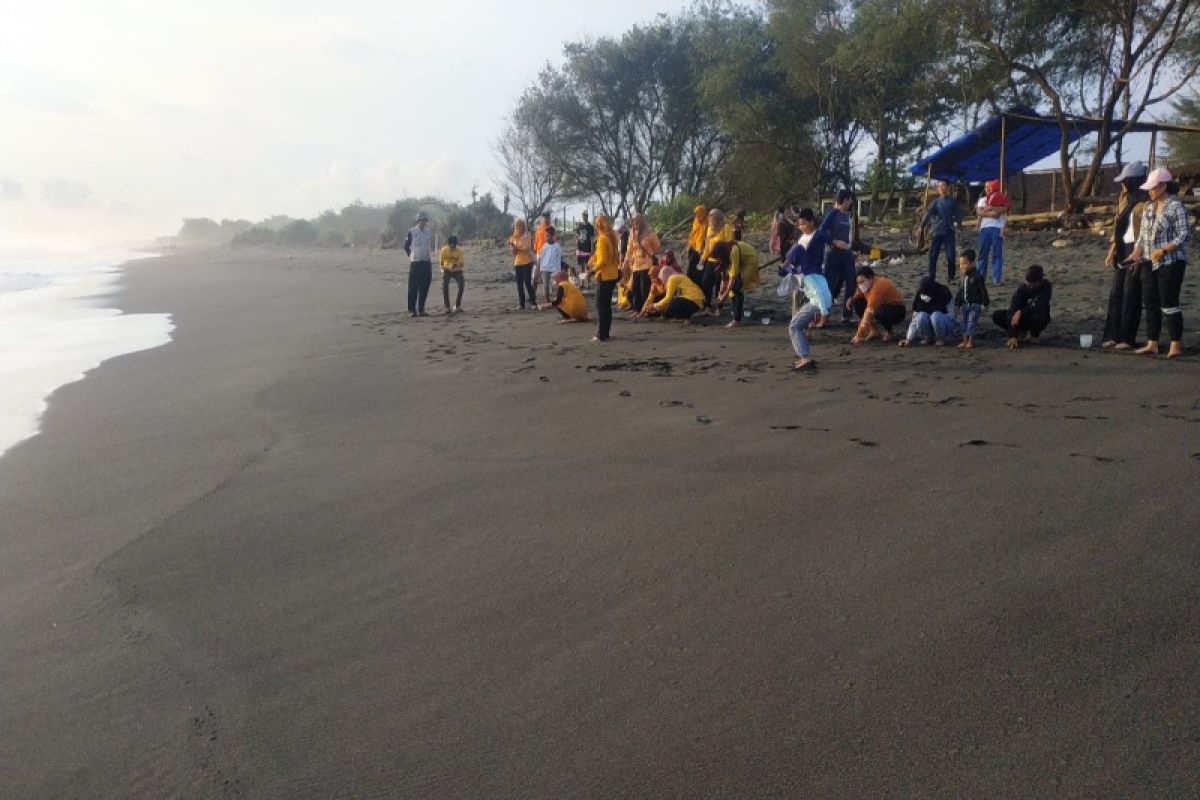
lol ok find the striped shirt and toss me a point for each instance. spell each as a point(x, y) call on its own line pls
point(1160, 230)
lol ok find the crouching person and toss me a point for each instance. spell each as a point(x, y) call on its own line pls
point(1029, 313)
point(931, 318)
point(878, 304)
point(568, 300)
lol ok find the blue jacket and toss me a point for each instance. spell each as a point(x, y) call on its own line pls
point(836, 227)
point(945, 210)
point(806, 261)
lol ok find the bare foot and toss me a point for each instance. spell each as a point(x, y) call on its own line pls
point(1108, 345)
point(1123, 346)
point(734, 324)
point(940, 343)
point(802, 363)
point(1176, 350)
point(1151, 349)
point(904, 343)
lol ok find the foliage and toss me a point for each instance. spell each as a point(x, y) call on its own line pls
point(299, 232)
point(1185, 147)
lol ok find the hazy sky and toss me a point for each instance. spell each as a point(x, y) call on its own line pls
point(118, 118)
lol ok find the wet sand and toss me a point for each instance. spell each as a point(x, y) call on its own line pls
point(313, 548)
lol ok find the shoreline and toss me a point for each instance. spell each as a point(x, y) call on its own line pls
point(315, 548)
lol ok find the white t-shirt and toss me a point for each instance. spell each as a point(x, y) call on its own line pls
point(550, 259)
point(988, 222)
point(805, 238)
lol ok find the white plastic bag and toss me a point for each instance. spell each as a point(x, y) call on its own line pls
point(789, 285)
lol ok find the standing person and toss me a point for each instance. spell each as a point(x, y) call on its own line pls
point(585, 238)
point(807, 255)
point(718, 231)
point(739, 225)
point(839, 258)
point(931, 318)
point(606, 265)
point(450, 259)
point(879, 305)
point(539, 241)
point(943, 218)
point(522, 252)
point(418, 246)
point(639, 258)
point(1163, 239)
point(738, 262)
point(991, 219)
point(972, 296)
point(1125, 297)
point(550, 260)
point(1029, 312)
point(696, 240)
point(805, 259)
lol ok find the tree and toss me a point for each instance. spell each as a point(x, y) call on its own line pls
point(1185, 147)
point(526, 174)
point(299, 232)
point(1091, 57)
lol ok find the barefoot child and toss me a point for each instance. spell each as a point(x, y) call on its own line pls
point(450, 258)
point(972, 296)
point(550, 260)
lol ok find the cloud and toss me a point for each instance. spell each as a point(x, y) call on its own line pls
point(10, 190)
point(65, 193)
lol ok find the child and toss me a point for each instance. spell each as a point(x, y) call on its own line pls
point(1029, 313)
point(550, 259)
point(450, 258)
point(990, 220)
point(568, 300)
point(931, 318)
point(972, 297)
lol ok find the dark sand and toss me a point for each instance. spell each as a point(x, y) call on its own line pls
point(314, 549)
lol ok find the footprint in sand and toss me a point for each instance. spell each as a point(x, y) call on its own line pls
point(986, 443)
point(864, 442)
point(1098, 459)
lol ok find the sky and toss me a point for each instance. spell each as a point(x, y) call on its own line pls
point(119, 118)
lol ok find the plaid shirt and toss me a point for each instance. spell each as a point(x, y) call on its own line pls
point(1169, 227)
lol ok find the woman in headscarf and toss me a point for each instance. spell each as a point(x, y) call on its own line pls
point(606, 265)
point(738, 266)
point(696, 241)
point(1125, 297)
point(718, 231)
point(522, 251)
point(639, 258)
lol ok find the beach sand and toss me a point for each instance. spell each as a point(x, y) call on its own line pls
point(313, 548)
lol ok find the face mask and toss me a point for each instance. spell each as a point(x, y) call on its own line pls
point(863, 286)
point(925, 298)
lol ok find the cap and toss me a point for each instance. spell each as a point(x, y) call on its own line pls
point(422, 216)
point(1157, 178)
point(1134, 169)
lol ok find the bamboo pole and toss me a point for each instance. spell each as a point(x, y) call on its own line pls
point(1153, 148)
point(1053, 188)
point(1003, 143)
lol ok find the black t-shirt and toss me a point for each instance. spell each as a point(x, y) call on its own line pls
point(587, 235)
point(1032, 299)
point(939, 299)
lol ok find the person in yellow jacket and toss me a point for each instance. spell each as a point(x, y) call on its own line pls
point(696, 241)
point(639, 258)
point(568, 300)
point(522, 252)
point(681, 300)
point(737, 263)
point(450, 258)
point(606, 264)
point(718, 231)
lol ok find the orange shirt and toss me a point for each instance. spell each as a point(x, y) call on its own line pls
point(539, 241)
point(882, 292)
point(604, 262)
point(640, 253)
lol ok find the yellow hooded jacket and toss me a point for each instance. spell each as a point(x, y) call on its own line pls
point(699, 229)
point(605, 262)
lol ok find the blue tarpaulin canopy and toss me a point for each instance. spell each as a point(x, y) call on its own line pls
point(1028, 137)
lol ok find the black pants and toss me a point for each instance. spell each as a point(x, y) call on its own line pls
point(1124, 306)
point(1160, 288)
point(639, 289)
point(525, 284)
point(888, 316)
point(710, 282)
point(680, 308)
point(695, 275)
point(447, 276)
point(604, 296)
point(420, 274)
point(739, 298)
point(839, 274)
point(1033, 324)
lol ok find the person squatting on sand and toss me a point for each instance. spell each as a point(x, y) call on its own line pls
point(550, 260)
point(1029, 312)
point(931, 317)
point(879, 305)
point(1163, 239)
point(682, 299)
point(1125, 297)
point(418, 246)
point(605, 264)
point(522, 252)
point(568, 300)
point(450, 259)
point(972, 297)
point(737, 262)
point(659, 274)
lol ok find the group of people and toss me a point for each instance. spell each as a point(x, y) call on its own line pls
point(631, 271)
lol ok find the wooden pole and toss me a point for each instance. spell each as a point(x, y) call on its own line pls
point(1053, 188)
point(928, 181)
point(1003, 143)
point(1153, 148)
